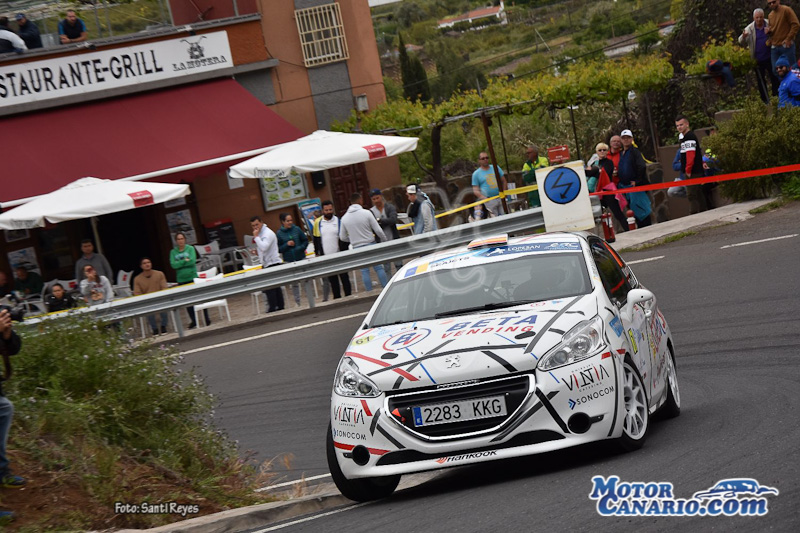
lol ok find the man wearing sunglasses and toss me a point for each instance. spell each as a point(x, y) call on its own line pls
point(484, 184)
point(789, 90)
point(783, 27)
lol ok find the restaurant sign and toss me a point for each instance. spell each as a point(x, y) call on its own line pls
point(36, 81)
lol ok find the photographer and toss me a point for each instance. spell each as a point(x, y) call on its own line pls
point(10, 344)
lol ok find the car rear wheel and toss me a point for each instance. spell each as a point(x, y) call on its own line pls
point(360, 489)
point(672, 407)
point(636, 414)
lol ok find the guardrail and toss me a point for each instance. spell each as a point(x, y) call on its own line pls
point(258, 280)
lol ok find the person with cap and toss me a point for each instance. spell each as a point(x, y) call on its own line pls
point(789, 89)
point(782, 29)
point(360, 229)
point(72, 29)
point(691, 163)
point(28, 31)
point(386, 214)
point(484, 184)
point(632, 172)
point(534, 161)
point(756, 35)
point(421, 210)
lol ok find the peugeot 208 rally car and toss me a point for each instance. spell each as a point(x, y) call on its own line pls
point(503, 348)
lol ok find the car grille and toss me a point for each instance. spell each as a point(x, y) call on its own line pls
point(515, 390)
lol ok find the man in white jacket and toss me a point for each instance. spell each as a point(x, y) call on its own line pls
point(267, 243)
point(360, 228)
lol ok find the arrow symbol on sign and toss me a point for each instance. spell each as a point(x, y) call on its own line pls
point(565, 186)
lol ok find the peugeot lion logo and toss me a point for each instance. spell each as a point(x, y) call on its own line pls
point(452, 361)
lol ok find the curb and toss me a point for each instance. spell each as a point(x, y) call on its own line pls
point(656, 233)
point(265, 514)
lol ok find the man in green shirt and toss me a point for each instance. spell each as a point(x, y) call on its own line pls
point(28, 283)
point(529, 172)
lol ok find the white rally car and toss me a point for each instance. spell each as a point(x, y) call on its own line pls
point(499, 349)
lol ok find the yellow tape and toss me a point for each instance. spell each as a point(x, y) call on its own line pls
point(511, 192)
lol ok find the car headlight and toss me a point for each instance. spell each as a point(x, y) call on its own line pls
point(579, 343)
point(351, 382)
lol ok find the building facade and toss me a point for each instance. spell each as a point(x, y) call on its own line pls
point(182, 104)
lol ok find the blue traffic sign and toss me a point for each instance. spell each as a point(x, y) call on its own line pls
point(562, 185)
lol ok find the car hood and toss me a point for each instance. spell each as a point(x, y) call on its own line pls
point(466, 347)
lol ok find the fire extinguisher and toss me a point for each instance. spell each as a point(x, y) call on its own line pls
point(631, 219)
point(608, 226)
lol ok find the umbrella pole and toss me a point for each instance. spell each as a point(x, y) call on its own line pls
point(96, 233)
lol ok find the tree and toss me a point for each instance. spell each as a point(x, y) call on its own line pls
point(415, 79)
point(597, 80)
point(453, 72)
point(646, 37)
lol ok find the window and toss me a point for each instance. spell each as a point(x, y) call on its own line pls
point(535, 277)
point(321, 34)
point(615, 281)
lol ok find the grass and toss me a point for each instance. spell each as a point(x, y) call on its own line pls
point(780, 202)
point(100, 419)
point(659, 242)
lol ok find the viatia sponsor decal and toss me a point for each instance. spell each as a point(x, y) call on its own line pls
point(585, 378)
point(349, 415)
point(728, 497)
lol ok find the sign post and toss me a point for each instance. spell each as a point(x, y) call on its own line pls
point(565, 197)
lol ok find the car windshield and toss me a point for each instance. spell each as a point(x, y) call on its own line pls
point(487, 286)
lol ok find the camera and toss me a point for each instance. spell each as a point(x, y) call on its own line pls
point(17, 313)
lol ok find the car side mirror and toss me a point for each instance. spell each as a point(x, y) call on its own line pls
point(638, 296)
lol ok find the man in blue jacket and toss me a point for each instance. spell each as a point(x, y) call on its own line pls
point(789, 89)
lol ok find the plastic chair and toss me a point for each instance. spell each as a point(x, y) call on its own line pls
point(247, 257)
point(206, 274)
point(205, 277)
point(123, 286)
point(209, 255)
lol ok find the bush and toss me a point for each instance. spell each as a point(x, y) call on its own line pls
point(727, 51)
point(120, 421)
point(757, 137)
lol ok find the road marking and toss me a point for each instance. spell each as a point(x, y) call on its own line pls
point(271, 333)
point(760, 241)
point(309, 518)
point(644, 260)
point(286, 484)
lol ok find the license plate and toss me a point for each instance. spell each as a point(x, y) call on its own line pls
point(449, 412)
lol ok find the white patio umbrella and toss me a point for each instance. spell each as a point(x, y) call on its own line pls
point(89, 197)
point(322, 150)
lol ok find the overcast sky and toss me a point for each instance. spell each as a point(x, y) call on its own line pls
point(373, 3)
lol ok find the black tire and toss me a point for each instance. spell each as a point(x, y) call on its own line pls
point(361, 489)
point(636, 415)
point(672, 407)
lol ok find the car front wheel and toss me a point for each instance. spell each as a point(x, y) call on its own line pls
point(360, 489)
point(636, 414)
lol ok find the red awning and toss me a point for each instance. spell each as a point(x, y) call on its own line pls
point(134, 135)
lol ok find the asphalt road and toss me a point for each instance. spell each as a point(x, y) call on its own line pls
point(733, 311)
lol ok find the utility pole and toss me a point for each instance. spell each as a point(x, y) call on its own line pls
point(485, 121)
